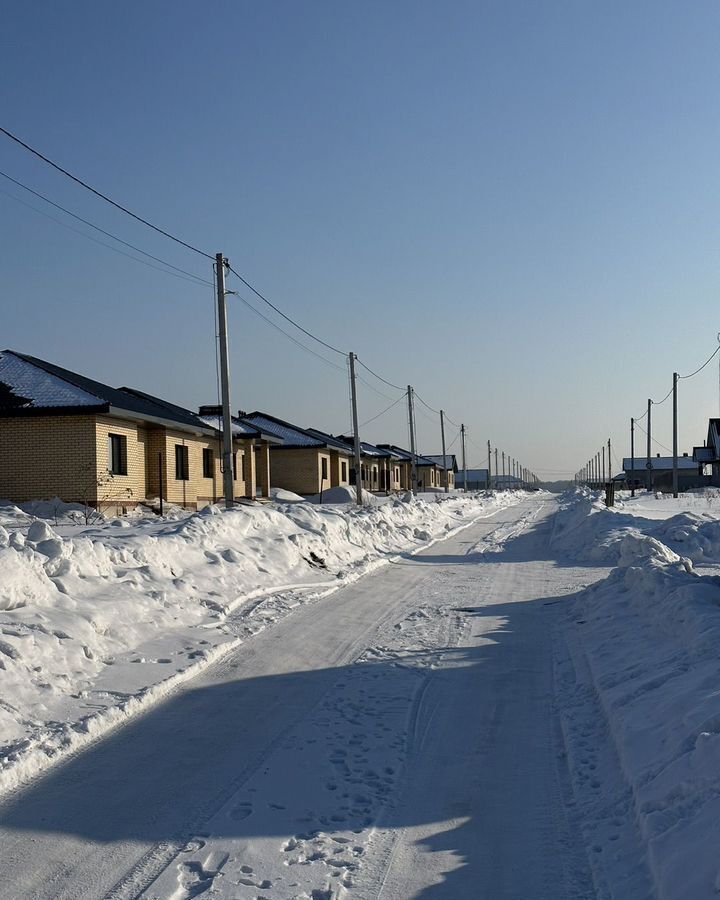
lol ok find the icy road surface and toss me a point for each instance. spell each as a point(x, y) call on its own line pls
point(398, 739)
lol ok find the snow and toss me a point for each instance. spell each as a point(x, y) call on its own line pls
point(99, 620)
point(40, 388)
point(643, 644)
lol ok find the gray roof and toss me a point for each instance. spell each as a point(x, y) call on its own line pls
point(239, 428)
point(32, 386)
point(401, 453)
point(658, 462)
point(290, 435)
point(474, 474)
point(448, 461)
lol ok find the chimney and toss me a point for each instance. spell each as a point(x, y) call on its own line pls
point(241, 414)
point(210, 410)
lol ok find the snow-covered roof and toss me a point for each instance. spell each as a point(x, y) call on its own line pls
point(24, 385)
point(658, 462)
point(290, 435)
point(445, 462)
point(406, 455)
point(29, 386)
point(239, 428)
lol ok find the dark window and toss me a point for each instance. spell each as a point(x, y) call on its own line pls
point(323, 468)
point(117, 454)
point(375, 476)
point(235, 466)
point(208, 462)
point(343, 469)
point(182, 463)
point(242, 467)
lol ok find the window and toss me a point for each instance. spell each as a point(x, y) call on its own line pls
point(397, 474)
point(343, 469)
point(375, 475)
point(117, 454)
point(208, 462)
point(182, 463)
point(235, 465)
point(324, 468)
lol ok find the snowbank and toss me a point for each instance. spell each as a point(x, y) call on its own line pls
point(93, 623)
point(644, 644)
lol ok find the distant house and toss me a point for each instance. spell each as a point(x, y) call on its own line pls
point(709, 453)
point(477, 479)
point(427, 470)
point(661, 470)
point(378, 469)
point(65, 435)
point(300, 461)
point(448, 468)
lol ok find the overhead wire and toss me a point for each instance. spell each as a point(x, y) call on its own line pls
point(287, 334)
point(387, 409)
point(103, 196)
point(654, 441)
point(164, 262)
point(715, 352)
point(379, 377)
point(281, 313)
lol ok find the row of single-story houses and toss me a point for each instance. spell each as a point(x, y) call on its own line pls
point(699, 470)
point(67, 436)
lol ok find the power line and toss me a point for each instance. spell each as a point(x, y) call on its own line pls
point(96, 227)
point(281, 313)
point(427, 406)
point(102, 196)
point(379, 377)
point(653, 440)
point(287, 335)
point(717, 349)
point(387, 409)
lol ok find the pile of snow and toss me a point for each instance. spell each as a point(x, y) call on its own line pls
point(280, 495)
point(643, 644)
point(85, 616)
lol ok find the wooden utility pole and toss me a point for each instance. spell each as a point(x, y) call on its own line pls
point(675, 436)
point(227, 467)
point(464, 461)
point(442, 438)
point(356, 432)
point(411, 417)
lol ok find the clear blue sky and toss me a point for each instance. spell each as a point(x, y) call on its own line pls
point(511, 205)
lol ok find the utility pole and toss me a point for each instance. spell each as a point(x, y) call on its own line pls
point(609, 460)
point(462, 432)
point(442, 437)
point(489, 466)
point(648, 463)
point(413, 463)
point(675, 439)
point(356, 432)
point(602, 471)
point(632, 457)
point(503, 460)
point(227, 456)
point(496, 467)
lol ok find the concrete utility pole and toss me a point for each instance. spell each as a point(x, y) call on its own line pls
point(489, 484)
point(648, 463)
point(675, 439)
point(632, 457)
point(496, 467)
point(356, 432)
point(503, 462)
point(462, 432)
point(227, 456)
point(413, 462)
point(602, 476)
point(442, 438)
point(609, 460)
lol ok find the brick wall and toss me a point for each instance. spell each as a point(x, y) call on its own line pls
point(298, 470)
point(47, 456)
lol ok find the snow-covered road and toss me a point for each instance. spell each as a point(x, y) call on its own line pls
point(397, 739)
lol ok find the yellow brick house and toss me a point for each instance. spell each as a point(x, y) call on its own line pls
point(65, 435)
